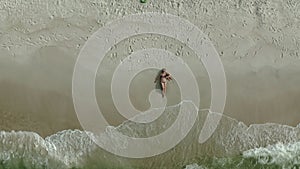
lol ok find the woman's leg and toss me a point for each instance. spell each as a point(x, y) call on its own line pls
point(162, 88)
point(163, 85)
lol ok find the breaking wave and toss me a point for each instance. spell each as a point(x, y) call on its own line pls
point(233, 145)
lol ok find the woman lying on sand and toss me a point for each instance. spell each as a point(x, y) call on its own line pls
point(163, 77)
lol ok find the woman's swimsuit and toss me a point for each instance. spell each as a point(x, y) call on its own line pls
point(163, 77)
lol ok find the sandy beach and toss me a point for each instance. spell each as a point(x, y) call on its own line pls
point(258, 42)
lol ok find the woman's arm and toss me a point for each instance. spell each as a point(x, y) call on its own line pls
point(168, 76)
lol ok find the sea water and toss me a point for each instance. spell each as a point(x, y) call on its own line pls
point(233, 146)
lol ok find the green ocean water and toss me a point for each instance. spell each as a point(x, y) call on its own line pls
point(238, 162)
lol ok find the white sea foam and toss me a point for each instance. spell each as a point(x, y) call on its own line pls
point(194, 166)
point(75, 148)
point(285, 155)
point(62, 150)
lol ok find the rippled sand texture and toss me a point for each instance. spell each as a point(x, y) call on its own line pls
point(258, 41)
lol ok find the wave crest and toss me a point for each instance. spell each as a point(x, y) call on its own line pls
point(75, 148)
